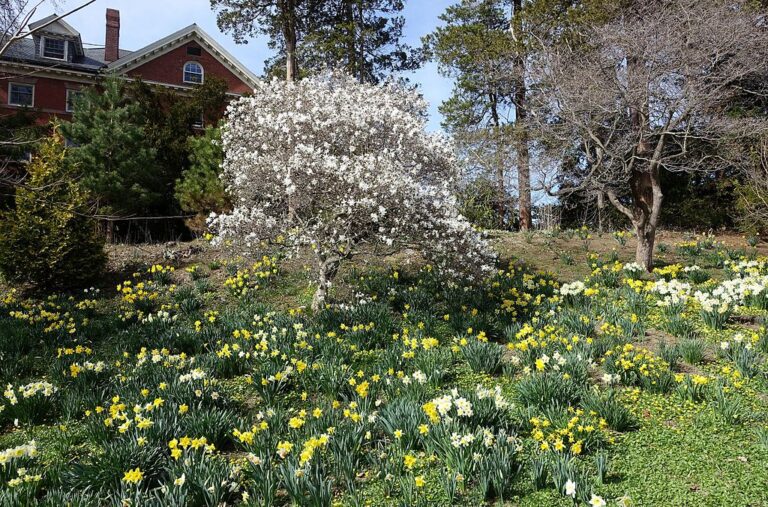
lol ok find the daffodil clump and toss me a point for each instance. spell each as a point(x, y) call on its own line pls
point(246, 282)
point(146, 292)
point(573, 435)
point(668, 272)
point(636, 366)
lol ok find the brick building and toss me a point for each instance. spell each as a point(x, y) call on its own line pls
point(44, 73)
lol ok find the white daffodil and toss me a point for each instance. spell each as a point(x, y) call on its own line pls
point(597, 501)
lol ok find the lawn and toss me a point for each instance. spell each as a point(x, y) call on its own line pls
point(193, 377)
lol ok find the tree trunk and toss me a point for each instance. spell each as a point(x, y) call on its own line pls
point(501, 198)
point(348, 20)
point(600, 206)
point(500, 185)
point(647, 198)
point(646, 239)
point(361, 34)
point(289, 33)
point(524, 179)
point(327, 270)
point(523, 155)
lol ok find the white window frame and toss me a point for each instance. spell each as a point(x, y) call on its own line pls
point(42, 49)
point(10, 88)
point(69, 101)
point(202, 73)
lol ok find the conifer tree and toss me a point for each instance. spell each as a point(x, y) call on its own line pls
point(111, 150)
point(363, 37)
point(478, 48)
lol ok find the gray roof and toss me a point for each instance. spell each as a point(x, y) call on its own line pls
point(98, 54)
point(55, 23)
point(92, 61)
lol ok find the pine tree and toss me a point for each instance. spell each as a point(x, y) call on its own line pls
point(363, 37)
point(49, 238)
point(112, 151)
point(200, 189)
point(477, 48)
point(285, 22)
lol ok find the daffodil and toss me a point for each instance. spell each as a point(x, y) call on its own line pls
point(133, 476)
point(597, 501)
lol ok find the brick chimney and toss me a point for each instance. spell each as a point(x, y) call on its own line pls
point(112, 43)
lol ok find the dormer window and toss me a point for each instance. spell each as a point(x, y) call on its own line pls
point(54, 48)
point(193, 73)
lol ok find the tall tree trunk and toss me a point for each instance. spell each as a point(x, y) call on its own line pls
point(501, 186)
point(347, 15)
point(600, 206)
point(524, 178)
point(289, 34)
point(361, 35)
point(501, 197)
point(523, 154)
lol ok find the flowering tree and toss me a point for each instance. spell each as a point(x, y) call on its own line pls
point(333, 164)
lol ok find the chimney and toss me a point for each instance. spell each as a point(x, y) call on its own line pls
point(112, 43)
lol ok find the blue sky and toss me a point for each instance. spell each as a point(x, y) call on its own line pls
point(145, 21)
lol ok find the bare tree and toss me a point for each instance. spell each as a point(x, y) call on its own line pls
point(16, 14)
point(654, 90)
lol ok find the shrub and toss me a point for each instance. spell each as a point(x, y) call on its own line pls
point(48, 237)
point(479, 203)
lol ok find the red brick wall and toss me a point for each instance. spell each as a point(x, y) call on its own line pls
point(169, 69)
point(50, 95)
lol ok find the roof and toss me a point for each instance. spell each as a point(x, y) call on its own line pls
point(92, 58)
point(175, 39)
point(63, 27)
point(24, 51)
point(97, 53)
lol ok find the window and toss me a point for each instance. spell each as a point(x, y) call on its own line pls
point(72, 96)
point(55, 48)
point(194, 51)
point(193, 73)
point(21, 94)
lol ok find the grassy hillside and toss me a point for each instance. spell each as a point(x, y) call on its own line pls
point(194, 377)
